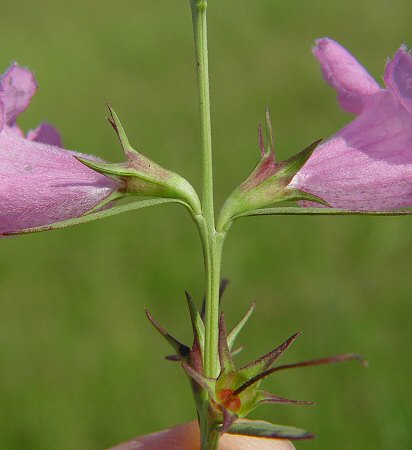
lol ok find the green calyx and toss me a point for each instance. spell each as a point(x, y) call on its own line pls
point(140, 176)
point(269, 181)
point(235, 392)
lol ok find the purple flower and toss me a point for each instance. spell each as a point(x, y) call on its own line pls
point(367, 165)
point(40, 182)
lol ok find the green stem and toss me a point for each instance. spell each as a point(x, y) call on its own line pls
point(211, 247)
point(199, 11)
point(212, 242)
point(212, 251)
point(212, 306)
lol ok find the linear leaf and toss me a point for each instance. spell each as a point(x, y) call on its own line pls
point(294, 210)
point(260, 428)
point(94, 216)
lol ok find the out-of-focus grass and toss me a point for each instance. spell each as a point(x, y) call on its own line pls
point(80, 366)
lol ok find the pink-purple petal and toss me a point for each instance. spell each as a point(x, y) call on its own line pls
point(398, 77)
point(17, 87)
point(1, 115)
point(42, 184)
point(368, 164)
point(13, 130)
point(46, 134)
point(344, 73)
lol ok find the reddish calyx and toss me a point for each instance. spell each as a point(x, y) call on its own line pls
point(228, 400)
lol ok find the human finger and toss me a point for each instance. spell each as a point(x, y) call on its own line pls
point(187, 437)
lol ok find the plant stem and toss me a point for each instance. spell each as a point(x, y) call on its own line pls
point(212, 252)
point(199, 11)
point(211, 247)
point(212, 242)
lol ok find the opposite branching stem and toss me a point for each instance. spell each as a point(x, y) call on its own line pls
point(206, 222)
point(212, 242)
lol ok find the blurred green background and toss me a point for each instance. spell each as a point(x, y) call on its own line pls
point(80, 367)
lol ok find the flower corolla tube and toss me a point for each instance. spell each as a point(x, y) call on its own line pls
point(40, 182)
point(367, 165)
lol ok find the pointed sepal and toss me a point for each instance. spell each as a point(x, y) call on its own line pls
point(206, 383)
point(195, 359)
point(198, 326)
point(255, 380)
point(268, 183)
point(290, 167)
point(293, 194)
point(252, 371)
point(267, 397)
point(225, 358)
point(322, 361)
point(173, 358)
point(231, 338)
point(260, 428)
point(236, 351)
point(139, 175)
point(181, 350)
point(269, 134)
point(116, 171)
point(228, 419)
point(113, 197)
point(118, 128)
point(235, 392)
